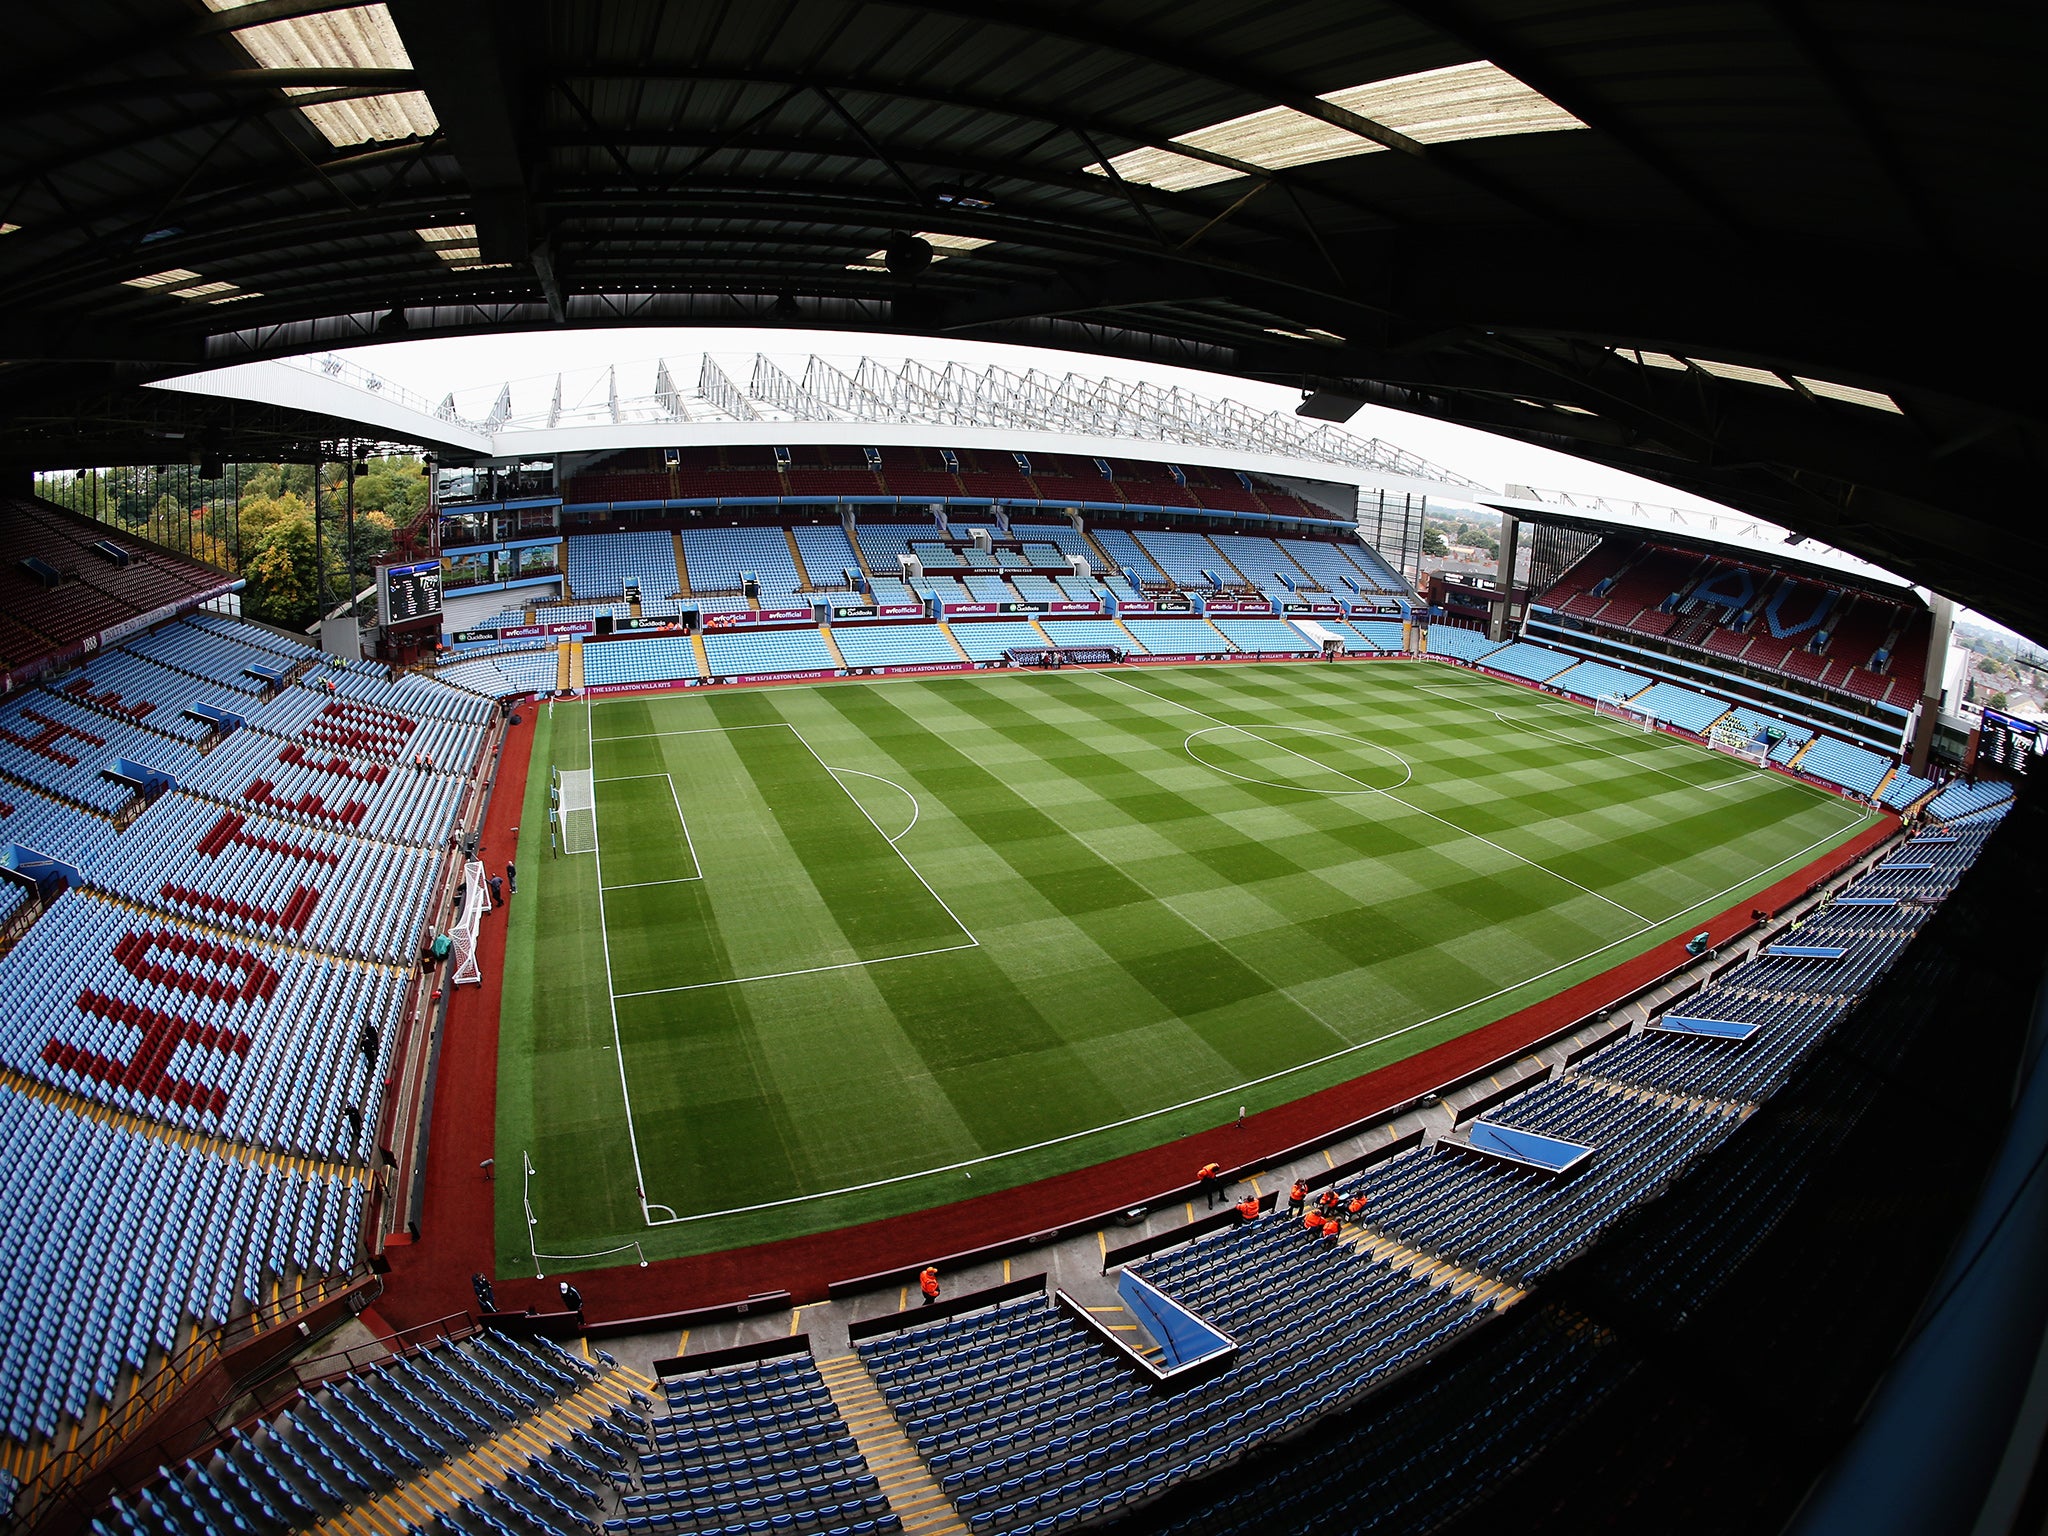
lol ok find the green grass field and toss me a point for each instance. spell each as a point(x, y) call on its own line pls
point(858, 948)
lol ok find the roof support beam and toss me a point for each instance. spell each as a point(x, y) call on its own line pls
point(470, 58)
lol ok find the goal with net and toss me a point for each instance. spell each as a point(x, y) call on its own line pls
point(1616, 708)
point(476, 901)
point(578, 808)
point(1731, 736)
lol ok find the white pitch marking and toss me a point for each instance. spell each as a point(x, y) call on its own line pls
point(915, 808)
point(612, 997)
point(810, 970)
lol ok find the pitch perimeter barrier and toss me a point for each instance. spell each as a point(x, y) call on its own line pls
point(691, 1317)
point(1216, 1221)
point(972, 1301)
point(738, 1354)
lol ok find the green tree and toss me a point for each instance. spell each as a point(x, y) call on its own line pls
point(1998, 701)
point(1433, 542)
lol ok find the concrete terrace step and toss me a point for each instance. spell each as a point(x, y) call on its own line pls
point(905, 1480)
point(1468, 1283)
point(418, 1499)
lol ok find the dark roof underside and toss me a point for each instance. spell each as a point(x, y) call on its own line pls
point(1837, 192)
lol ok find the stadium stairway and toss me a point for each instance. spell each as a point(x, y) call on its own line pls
point(682, 567)
point(1468, 1284)
point(825, 630)
point(954, 640)
point(796, 557)
point(904, 1478)
point(703, 656)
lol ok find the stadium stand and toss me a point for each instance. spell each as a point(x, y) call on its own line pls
point(893, 645)
point(1022, 1420)
point(1853, 768)
point(1088, 632)
point(1381, 634)
point(656, 659)
point(992, 639)
point(719, 558)
point(1903, 788)
point(1178, 637)
point(1967, 799)
point(1459, 644)
point(829, 560)
point(1792, 737)
point(765, 1437)
point(1598, 680)
point(736, 653)
point(1682, 707)
point(1266, 636)
point(482, 1436)
point(1537, 663)
point(38, 623)
point(602, 564)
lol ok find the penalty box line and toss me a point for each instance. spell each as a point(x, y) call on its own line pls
point(681, 820)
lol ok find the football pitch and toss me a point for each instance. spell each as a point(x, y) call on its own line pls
point(851, 949)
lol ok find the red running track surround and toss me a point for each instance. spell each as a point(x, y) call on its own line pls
point(429, 1279)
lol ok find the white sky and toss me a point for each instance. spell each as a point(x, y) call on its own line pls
point(475, 366)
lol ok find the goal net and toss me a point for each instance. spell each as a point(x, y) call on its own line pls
point(1731, 736)
point(476, 901)
point(1616, 708)
point(579, 811)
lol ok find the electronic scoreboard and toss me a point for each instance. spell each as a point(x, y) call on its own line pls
point(2008, 741)
point(408, 592)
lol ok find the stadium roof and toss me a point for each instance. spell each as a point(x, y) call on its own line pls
point(715, 398)
point(1772, 254)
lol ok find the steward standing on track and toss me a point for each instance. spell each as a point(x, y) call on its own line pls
point(1210, 1177)
point(928, 1282)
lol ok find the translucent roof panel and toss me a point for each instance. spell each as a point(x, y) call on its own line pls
point(361, 37)
point(161, 279)
point(1740, 372)
point(1875, 399)
point(1466, 101)
point(1439, 106)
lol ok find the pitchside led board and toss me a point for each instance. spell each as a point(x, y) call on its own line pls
point(408, 592)
point(2008, 741)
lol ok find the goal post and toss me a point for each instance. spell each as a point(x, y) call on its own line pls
point(578, 811)
point(1731, 736)
point(467, 970)
point(1614, 707)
